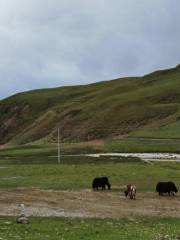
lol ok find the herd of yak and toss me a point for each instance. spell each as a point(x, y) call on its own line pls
point(161, 187)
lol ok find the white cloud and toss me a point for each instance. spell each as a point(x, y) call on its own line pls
point(48, 43)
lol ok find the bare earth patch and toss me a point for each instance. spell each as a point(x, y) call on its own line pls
point(87, 204)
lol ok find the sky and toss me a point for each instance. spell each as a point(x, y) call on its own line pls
point(50, 43)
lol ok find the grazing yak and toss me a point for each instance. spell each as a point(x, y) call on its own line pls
point(130, 191)
point(166, 187)
point(101, 182)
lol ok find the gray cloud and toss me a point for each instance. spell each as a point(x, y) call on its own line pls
point(49, 43)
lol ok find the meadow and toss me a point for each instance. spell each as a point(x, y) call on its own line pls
point(77, 172)
point(143, 145)
point(46, 151)
point(88, 229)
point(36, 167)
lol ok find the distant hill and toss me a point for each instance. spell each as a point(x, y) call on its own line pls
point(147, 106)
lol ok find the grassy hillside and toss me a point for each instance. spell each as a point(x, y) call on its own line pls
point(146, 106)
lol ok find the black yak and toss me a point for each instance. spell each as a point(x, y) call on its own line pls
point(101, 182)
point(166, 187)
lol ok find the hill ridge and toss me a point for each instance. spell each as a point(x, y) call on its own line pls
point(132, 106)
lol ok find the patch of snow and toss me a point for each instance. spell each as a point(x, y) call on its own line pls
point(144, 156)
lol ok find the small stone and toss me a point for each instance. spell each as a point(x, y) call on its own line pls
point(22, 220)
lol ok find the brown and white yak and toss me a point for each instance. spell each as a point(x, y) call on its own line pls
point(130, 191)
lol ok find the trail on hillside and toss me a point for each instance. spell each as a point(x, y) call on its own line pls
point(87, 204)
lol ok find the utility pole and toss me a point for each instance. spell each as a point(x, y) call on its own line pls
point(59, 152)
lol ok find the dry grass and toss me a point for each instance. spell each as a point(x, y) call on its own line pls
point(86, 203)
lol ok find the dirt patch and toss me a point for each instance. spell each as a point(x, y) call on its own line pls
point(2, 147)
point(87, 204)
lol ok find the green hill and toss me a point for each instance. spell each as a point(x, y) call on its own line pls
point(147, 106)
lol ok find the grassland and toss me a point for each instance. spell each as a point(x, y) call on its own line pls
point(171, 131)
point(47, 152)
point(25, 171)
point(77, 172)
point(143, 145)
point(36, 166)
point(76, 229)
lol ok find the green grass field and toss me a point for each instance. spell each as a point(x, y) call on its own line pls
point(143, 145)
point(77, 173)
point(45, 152)
point(76, 229)
point(35, 166)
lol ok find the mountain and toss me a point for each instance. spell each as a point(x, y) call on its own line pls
point(147, 106)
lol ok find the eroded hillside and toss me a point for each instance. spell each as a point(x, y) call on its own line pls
point(141, 106)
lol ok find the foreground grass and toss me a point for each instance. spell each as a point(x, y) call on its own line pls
point(75, 229)
point(79, 176)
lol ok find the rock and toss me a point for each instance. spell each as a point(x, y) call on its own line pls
point(22, 219)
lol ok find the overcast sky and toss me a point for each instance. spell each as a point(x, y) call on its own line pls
point(48, 43)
